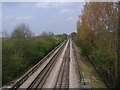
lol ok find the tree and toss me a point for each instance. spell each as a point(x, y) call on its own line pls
point(47, 34)
point(21, 35)
point(5, 34)
point(22, 31)
point(98, 31)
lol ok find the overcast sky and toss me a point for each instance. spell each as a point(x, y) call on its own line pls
point(55, 17)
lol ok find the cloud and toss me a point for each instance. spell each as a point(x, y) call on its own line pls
point(42, 5)
point(66, 11)
point(69, 18)
point(24, 18)
point(46, 5)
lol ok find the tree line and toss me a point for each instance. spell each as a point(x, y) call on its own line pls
point(22, 50)
point(97, 33)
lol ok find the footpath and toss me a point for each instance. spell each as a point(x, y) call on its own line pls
point(89, 73)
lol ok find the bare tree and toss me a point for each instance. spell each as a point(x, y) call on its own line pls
point(47, 34)
point(5, 34)
point(22, 31)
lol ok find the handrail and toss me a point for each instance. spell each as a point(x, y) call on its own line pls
point(32, 70)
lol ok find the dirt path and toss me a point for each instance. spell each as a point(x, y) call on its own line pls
point(74, 80)
point(89, 73)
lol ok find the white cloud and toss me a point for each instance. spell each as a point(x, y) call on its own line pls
point(51, 5)
point(66, 11)
point(42, 5)
point(24, 18)
point(69, 18)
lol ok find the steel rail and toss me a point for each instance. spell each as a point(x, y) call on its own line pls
point(43, 75)
point(63, 76)
point(21, 80)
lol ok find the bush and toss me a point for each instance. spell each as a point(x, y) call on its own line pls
point(85, 49)
point(19, 55)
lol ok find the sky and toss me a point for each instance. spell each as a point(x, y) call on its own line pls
point(57, 17)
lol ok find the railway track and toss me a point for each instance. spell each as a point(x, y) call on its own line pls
point(41, 78)
point(63, 76)
point(43, 75)
point(62, 80)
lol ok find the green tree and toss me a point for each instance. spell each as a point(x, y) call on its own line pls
point(97, 30)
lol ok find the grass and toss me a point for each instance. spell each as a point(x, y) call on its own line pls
point(88, 70)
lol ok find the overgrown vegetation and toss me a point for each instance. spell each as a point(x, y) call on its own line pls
point(22, 50)
point(97, 32)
